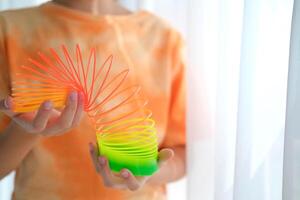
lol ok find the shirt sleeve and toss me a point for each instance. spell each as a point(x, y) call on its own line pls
point(176, 126)
point(4, 74)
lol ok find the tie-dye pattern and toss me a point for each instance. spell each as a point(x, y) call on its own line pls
point(59, 168)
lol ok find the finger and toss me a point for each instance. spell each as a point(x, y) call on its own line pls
point(67, 115)
point(41, 119)
point(131, 182)
point(79, 111)
point(94, 158)
point(6, 106)
point(104, 169)
point(164, 156)
point(109, 179)
point(105, 172)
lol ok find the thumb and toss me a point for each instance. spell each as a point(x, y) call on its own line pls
point(164, 156)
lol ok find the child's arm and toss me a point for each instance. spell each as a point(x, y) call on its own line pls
point(14, 146)
point(26, 129)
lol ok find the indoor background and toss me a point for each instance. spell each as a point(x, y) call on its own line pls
point(243, 75)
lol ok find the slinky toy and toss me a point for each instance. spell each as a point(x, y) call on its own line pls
point(125, 131)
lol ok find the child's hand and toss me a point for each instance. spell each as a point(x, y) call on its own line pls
point(125, 179)
point(47, 121)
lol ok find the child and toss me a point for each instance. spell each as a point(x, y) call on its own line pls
point(49, 148)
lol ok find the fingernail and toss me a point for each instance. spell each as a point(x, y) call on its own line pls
point(125, 174)
point(101, 160)
point(47, 105)
point(6, 104)
point(73, 96)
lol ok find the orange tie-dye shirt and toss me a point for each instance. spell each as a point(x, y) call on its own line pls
point(60, 167)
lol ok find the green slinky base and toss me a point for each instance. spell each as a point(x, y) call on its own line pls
point(139, 166)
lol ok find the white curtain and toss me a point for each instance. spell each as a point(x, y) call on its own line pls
point(241, 143)
point(239, 52)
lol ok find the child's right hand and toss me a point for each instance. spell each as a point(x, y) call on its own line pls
point(47, 121)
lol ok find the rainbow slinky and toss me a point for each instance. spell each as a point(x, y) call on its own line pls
point(125, 131)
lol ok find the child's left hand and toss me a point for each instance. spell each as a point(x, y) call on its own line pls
point(125, 179)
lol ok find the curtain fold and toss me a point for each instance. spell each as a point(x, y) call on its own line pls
point(262, 92)
point(291, 178)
